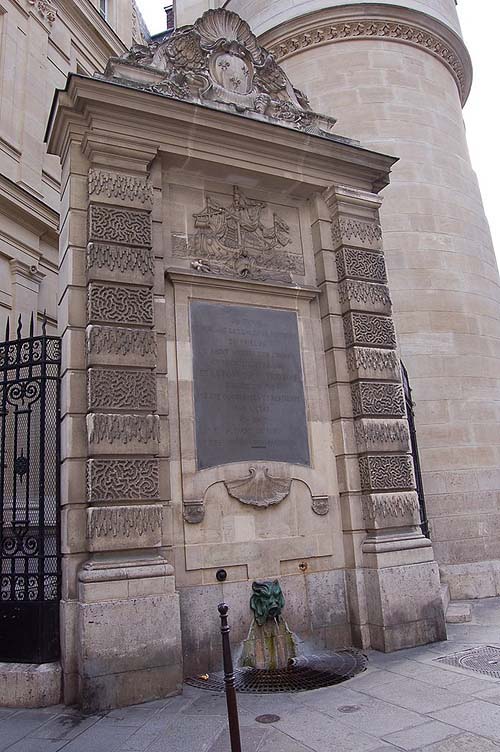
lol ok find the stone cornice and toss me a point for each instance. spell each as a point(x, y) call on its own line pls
point(379, 21)
point(28, 209)
point(220, 137)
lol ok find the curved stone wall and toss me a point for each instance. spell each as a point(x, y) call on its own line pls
point(401, 96)
point(264, 15)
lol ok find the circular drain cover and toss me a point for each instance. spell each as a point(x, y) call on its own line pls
point(268, 718)
point(306, 672)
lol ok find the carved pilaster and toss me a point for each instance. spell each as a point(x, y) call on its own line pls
point(380, 505)
point(121, 358)
point(380, 429)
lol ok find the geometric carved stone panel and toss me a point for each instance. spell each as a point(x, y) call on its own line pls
point(364, 296)
point(120, 263)
point(382, 435)
point(358, 264)
point(390, 505)
point(110, 389)
point(122, 480)
point(124, 527)
point(377, 399)
point(120, 305)
point(113, 185)
point(118, 346)
point(373, 363)
point(115, 225)
point(369, 329)
point(112, 433)
point(357, 232)
point(386, 472)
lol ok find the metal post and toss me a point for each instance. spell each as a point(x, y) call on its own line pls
point(229, 681)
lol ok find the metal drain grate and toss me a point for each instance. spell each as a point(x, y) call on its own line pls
point(483, 660)
point(309, 672)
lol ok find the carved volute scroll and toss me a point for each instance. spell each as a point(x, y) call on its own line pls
point(219, 62)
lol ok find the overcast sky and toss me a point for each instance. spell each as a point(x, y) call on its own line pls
point(480, 118)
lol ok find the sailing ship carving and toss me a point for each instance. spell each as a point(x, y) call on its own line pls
point(235, 240)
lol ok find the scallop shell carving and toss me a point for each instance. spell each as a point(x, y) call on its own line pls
point(259, 489)
point(218, 25)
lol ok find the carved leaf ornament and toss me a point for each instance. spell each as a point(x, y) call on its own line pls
point(219, 60)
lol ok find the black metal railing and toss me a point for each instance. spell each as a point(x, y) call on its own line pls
point(30, 571)
point(424, 523)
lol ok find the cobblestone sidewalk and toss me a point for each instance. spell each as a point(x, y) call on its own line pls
point(404, 701)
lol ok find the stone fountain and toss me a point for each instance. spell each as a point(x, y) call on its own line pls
point(270, 645)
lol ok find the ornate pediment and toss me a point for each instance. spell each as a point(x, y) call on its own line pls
point(219, 62)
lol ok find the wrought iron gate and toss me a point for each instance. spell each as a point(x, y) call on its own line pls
point(424, 524)
point(30, 577)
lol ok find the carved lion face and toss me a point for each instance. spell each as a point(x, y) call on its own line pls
point(267, 600)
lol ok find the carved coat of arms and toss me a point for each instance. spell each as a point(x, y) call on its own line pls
point(219, 60)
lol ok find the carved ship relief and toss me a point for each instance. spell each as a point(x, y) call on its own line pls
point(234, 240)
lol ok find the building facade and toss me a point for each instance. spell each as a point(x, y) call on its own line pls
point(40, 43)
point(210, 231)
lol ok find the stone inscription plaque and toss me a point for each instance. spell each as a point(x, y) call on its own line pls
point(248, 386)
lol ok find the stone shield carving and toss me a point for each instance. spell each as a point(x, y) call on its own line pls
point(259, 489)
point(219, 60)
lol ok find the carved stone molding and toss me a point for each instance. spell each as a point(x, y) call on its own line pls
point(112, 433)
point(371, 362)
point(122, 480)
point(194, 512)
point(115, 225)
point(123, 305)
point(124, 527)
point(46, 9)
point(112, 389)
point(114, 185)
point(389, 505)
point(383, 30)
point(369, 329)
point(349, 230)
point(109, 345)
point(219, 62)
point(377, 435)
point(385, 472)
point(120, 263)
point(358, 263)
point(364, 296)
point(370, 398)
point(320, 505)
point(259, 489)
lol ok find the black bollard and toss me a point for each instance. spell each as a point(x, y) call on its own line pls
point(229, 681)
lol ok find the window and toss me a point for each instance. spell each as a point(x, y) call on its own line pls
point(169, 10)
point(102, 8)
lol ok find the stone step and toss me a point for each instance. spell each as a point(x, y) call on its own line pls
point(458, 613)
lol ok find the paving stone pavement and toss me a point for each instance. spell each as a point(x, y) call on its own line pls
point(403, 701)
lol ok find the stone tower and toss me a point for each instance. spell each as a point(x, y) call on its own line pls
point(396, 75)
